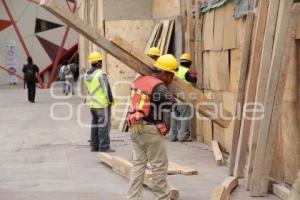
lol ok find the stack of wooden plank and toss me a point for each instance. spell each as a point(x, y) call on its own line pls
point(161, 36)
point(265, 87)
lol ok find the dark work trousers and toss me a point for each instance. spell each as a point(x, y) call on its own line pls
point(101, 123)
point(31, 91)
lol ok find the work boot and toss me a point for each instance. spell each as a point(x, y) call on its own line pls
point(108, 150)
point(172, 137)
point(185, 138)
point(94, 148)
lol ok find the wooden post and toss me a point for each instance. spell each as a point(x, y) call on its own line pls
point(241, 90)
point(270, 93)
point(187, 92)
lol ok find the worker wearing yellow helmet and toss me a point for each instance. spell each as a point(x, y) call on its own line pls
point(101, 99)
point(180, 118)
point(148, 126)
point(154, 53)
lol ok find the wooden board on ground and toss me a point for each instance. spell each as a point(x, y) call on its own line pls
point(184, 170)
point(223, 191)
point(281, 191)
point(123, 168)
point(217, 153)
point(219, 193)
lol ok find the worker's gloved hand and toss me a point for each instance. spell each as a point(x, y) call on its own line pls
point(191, 76)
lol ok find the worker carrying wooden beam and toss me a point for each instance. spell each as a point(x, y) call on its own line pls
point(150, 98)
point(141, 63)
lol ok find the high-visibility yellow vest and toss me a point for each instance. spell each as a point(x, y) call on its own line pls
point(98, 97)
point(181, 72)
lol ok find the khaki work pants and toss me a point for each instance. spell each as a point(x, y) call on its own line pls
point(149, 146)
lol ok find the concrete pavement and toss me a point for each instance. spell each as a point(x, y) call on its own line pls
point(43, 158)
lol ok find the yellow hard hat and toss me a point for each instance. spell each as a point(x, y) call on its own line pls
point(95, 57)
point(166, 63)
point(186, 56)
point(154, 51)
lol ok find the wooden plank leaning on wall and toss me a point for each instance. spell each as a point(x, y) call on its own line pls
point(262, 76)
point(275, 82)
point(241, 89)
point(262, 82)
point(259, 31)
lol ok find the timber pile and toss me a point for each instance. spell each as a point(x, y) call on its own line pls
point(267, 77)
point(161, 36)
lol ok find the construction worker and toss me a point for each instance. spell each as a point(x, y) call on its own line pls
point(180, 122)
point(101, 100)
point(148, 126)
point(154, 53)
point(30, 71)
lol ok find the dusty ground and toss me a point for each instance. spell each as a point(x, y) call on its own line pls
point(43, 158)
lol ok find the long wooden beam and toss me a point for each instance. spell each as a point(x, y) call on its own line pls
point(241, 90)
point(261, 82)
point(123, 167)
point(178, 87)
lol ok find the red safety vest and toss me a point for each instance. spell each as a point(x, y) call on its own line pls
point(141, 91)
